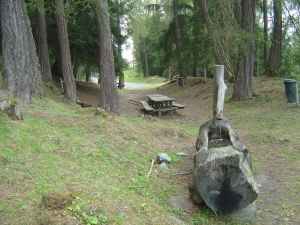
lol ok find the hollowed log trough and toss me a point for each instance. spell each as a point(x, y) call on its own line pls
point(222, 175)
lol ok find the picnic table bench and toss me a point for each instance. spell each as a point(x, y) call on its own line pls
point(147, 106)
point(180, 106)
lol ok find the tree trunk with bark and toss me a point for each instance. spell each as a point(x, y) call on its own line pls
point(177, 41)
point(144, 57)
point(56, 68)
point(219, 50)
point(76, 70)
point(119, 41)
point(42, 42)
point(70, 87)
point(22, 74)
point(88, 73)
point(109, 99)
point(121, 70)
point(242, 89)
point(266, 31)
point(273, 65)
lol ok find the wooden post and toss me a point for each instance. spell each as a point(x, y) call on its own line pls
point(219, 92)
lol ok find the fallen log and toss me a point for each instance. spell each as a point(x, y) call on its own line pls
point(83, 105)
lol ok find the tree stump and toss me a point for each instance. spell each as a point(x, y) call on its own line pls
point(11, 109)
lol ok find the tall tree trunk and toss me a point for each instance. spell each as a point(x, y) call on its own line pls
point(266, 31)
point(218, 49)
point(195, 33)
point(144, 57)
point(108, 92)
point(70, 87)
point(121, 75)
point(119, 41)
point(258, 60)
point(42, 42)
point(242, 89)
point(88, 73)
point(76, 70)
point(22, 74)
point(177, 42)
point(56, 68)
point(273, 65)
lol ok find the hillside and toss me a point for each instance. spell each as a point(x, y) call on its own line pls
point(65, 165)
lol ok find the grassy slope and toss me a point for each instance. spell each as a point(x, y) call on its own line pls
point(153, 81)
point(104, 161)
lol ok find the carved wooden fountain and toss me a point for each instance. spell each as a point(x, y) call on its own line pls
point(222, 175)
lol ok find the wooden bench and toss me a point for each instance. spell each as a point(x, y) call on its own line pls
point(147, 106)
point(179, 106)
point(171, 110)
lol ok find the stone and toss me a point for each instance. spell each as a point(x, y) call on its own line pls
point(2, 105)
point(149, 117)
point(163, 166)
point(182, 154)
point(194, 192)
point(245, 215)
point(99, 111)
point(163, 157)
point(224, 180)
point(181, 203)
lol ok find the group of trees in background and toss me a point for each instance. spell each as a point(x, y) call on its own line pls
point(85, 37)
point(250, 38)
point(43, 40)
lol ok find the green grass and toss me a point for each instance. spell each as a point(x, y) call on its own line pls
point(153, 81)
point(62, 149)
point(104, 162)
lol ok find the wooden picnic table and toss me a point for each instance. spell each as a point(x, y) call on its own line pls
point(158, 101)
point(161, 103)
